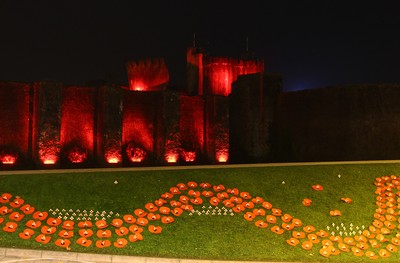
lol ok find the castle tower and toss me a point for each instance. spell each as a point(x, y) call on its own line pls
point(148, 75)
point(194, 67)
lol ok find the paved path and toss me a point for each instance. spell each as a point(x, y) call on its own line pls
point(12, 255)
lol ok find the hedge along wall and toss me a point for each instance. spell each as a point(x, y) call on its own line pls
point(360, 122)
point(77, 123)
point(15, 120)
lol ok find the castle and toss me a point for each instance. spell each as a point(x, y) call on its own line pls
point(230, 112)
point(46, 124)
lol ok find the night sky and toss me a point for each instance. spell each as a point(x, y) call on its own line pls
point(311, 43)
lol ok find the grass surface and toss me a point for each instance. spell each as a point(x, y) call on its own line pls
point(211, 236)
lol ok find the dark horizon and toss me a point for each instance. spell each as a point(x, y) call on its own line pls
point(311, 44)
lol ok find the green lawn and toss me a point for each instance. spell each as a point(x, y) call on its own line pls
point(219, 237)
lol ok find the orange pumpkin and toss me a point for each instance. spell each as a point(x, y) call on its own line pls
point(122, 231)
point(195, 194)
point(129, 219)
point(293, 241)
point(368, 234)
point(184, 199)
point(43, 239)
point(32, 223)
point(333, 250)
point(164, 210)
point(103, 233)
point(277, 230)
point(26, 234)
point(235, 199)
point(68, 225)
point(187, 207)
point(103, 243)
point(38, 215)
point(120, 243)
point(10, 227)
point(85, 232)
point(326, 243)
point(135, 237)
point(167, 219)
point(377, 223)
point(214, 201)
point(85, 224)
point(362, 245)
point(155, 229)
point(374, 243)
point(83, 241)
point(64, 243)
point(335, 213)
point(48, 230)
point(167, 195)
point(361, 238)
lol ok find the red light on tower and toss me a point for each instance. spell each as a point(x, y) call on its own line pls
point(113, 157)
point(49, 159)
point(135, 154)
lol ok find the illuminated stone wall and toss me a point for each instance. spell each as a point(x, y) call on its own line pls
point(77, 124)
point(15, 122)
point(148, 75)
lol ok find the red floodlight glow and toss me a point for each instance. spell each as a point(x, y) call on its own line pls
point(222, 156)
point(8, 159)
point(189, 156)
point(77, 155)
point(171, 157)
point(49, 159)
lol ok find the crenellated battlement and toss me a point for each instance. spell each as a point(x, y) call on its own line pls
point(148, 75)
